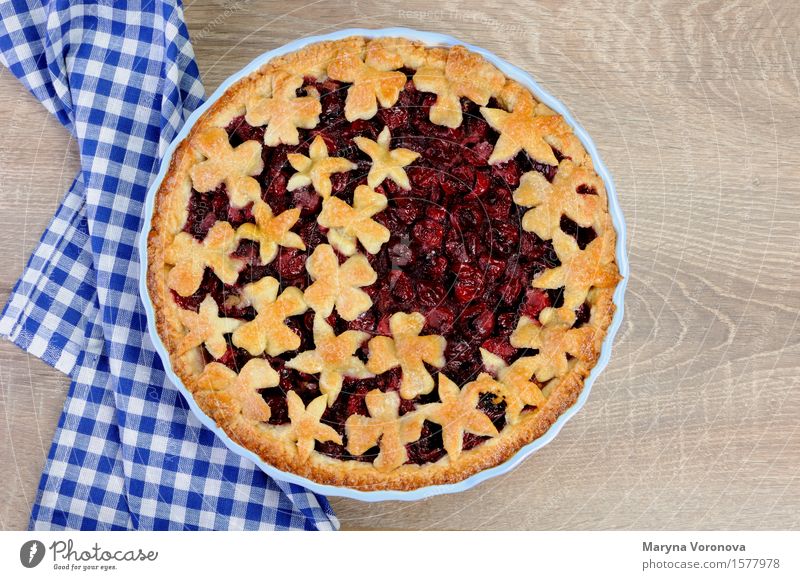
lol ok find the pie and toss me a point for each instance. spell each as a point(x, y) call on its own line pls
point(379, 264)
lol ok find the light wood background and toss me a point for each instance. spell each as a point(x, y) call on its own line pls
point(695, 108)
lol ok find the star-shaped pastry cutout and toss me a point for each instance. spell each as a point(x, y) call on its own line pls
point(268, 330)
point(283, 112)
point(386, 162)
point(519, 390)
point(408, 350)
point(271, 231)
point(521, 129)
point(333, 358)
point(225, 164)
point(385, 428)
point(255, 375)
point(316, 169)
point(348, 224)
point(374, 80)
point(458, 414)
point(191, 258)
point(552, 200)
point(466, 74)
point(580, 270)
point(304, 424)
point(553, 344)
point(206, 326)
point(338, 286)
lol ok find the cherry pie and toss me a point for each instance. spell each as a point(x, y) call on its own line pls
point(382, 265)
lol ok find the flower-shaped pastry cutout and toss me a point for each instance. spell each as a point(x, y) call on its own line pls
point(271, 231)
point(255, 375)
point(268, 330)
point(519, 390)
point(316, 169)
point(191, 258)
point(338, 286)
point(521, 129)
point(408, 350)
point(333, 358)
point(304, 424)
point(554, 343)
point(385, 428)
point(552, 200)
point(580, 270)
point(348, 224)
point(386, 162)
point(206, 326)
point(374, 80)
point(225, 164)
point(283, 112)
point(458, 413)
point(465, 74)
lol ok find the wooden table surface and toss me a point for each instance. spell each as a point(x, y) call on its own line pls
point(695, 108)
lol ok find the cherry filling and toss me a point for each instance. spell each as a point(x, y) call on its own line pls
point(457, 253)
point(583, 236)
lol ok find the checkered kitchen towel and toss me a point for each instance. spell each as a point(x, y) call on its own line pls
point(121, 77)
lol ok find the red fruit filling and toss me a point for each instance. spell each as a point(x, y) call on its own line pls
point(583, 236)
point(457, 253)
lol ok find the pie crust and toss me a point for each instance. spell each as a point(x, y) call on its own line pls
point(302, 373)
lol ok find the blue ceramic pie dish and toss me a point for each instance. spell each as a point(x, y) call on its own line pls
point(420, 493)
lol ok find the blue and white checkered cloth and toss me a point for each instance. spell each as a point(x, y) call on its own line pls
point(128, 453)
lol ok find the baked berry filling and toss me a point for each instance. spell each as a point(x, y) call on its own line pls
point(456, 254)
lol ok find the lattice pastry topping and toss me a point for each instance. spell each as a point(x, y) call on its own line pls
point(333, 358)
point(463, 74)
point(519, 391)
point(374, 80)
point(384, 427)
point(351, 224)
point(206, 327)
point(521, 129)
point(386, 162)
point(191, 258)
point(304, 424)
point(271, 231)
point(256, 374)
point(224, 164)
point(268, 331)
point(573, 193)
point(283, 112)
point(408, 350)
point(316, 169)
point(458, 413)
point(580, 270)
point(554, 343)
point(338, 285)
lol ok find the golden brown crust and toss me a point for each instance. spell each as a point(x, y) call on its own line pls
point(279, 445)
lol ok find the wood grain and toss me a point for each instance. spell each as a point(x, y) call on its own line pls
point(694, 108)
